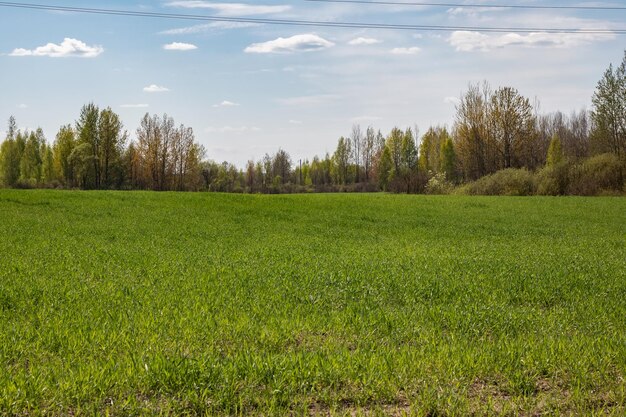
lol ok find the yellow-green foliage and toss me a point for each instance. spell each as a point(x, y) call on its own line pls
point(601, 174)
point(512, 182)
point(555, 152)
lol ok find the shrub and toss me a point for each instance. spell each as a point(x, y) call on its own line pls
point(25, 185)
point(513, 182)
point(554, 179)
point(438, 184)
point(601, 174)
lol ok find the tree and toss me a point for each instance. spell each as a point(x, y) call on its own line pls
point(513, 126)
point(88, 133)
point(356, 139)
point(555, 152)
point(193, 167)
point(408, 161)
point(149, 146)
point(62, 149)
point(259, 176)
point(385, 169)
point(394, 143)
point(10, 156)
point(573, 132)
point(30, 163)
point(267, 169)
point(111, 143)
point(184, 157)
point(47, 167)
point(320, 171)
point(609, 112)
point(495, 130)
point(448, 159)
point(341, 161)
point(430, 149)
point(81, 159)
point(369, 150)
point(281, 166)
point(471, 132)
point(250, 176)
point(167, 136)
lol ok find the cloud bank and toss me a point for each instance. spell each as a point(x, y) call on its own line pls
point(468, 41)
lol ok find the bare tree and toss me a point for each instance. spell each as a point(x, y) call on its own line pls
point(356, 138)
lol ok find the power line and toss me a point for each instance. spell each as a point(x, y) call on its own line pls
point(482, 6)
point(310, 23)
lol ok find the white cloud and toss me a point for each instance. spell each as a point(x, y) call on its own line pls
point(190, 30)
point(298, 43)
point(226, 103)
point(155, 89)
point(308, 100)
point(179, 46)
point(406, 51)
point(452, 100)
point(22, 106)
point(134, 106)
point(68, 48)
point(231, 9)
point(231, 129)
point(467, 41)
point(364, 41)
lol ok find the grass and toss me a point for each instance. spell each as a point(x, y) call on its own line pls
point(116, 303)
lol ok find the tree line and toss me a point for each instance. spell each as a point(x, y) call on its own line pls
point(495, 131)
point(95, 153)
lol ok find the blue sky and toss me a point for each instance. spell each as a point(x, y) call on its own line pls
point(250, 89)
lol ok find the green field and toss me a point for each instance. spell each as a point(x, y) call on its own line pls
point(132, 303)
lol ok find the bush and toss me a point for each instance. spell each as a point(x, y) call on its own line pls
point(601, 174)
point(25, 185)
point(438, 184)
point(513, 182)
point(555, 179)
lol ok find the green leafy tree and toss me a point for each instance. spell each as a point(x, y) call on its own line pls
point(448, 159)
point(555, 151)
point(341, 161)
point(30, 163)
point(394, 143)
point(62, 149)
point(81, 159)
point(281, 166)
point(385, 169)
point(10, 156)
point(609, 111)
point(369, 150)
point(111, 146)
point(430, 149)
point(408, 161)
point(89, 134)
point(47, 165)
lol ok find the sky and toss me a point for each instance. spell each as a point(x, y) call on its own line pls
point(249, 89)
